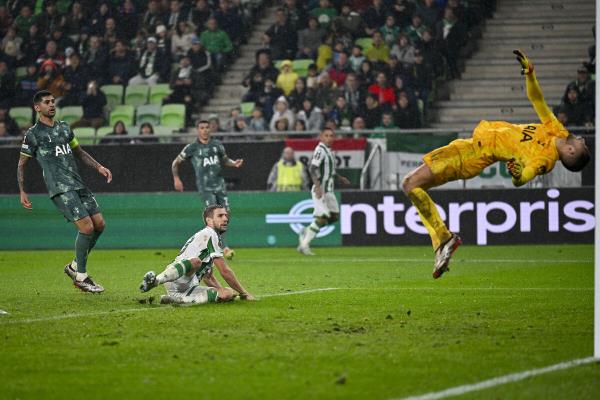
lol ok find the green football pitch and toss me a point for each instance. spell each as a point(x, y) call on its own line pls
point(350, 323)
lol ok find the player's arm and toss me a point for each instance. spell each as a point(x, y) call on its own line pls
point(88, 160)
point(177, 183)
point(211, 281)
point(313, 171)
point(534, 91)
point(228, 162)
point(23, 160)
point(521, 175)
point(229, 276)
point(342, 179)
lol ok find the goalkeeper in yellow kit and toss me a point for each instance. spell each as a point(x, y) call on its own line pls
point(528, 150)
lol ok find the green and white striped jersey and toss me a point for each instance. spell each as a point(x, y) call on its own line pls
point(324, 159)
point(206, 245)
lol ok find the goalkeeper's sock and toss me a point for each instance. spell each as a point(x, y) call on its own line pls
point(174, 271)
point(310, 233)
point(82, 245)
point(430, 217)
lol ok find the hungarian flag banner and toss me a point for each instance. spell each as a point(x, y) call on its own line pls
point(349, 154)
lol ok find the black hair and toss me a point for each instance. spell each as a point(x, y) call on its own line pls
point(37, 98)
point(210, 210)
point(202, 121)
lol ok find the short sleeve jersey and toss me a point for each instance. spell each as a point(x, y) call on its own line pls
point(206, 160)
point(324, 159)
point(205, 245)
point(532, 145)
point(52, 147)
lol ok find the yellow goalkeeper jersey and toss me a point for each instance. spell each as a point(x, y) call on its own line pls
point(531, 145)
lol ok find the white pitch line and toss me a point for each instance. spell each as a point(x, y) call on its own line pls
point(414, 260)
point(501, 380)
point(132, 310)
point(299, 292)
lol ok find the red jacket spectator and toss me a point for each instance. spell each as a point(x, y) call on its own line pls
point(340, 70)
point(385, 94)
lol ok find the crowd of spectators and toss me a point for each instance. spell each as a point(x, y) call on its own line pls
point(373, 63)
point(578, 104)
point(68, 46)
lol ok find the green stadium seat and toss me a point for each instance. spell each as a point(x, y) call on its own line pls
point(85, 135)
point(148, 113)
point(277, 64)
point(247, 108)
point(125, 113)
point(159, 92)
point(364, 42)
point(164, 133)
point(114, 95)
point(70, 114)
point(23, 116)
point(21, 73)
point(103, 131)
point(173, 115)
point(301, 66)
point(136, 95)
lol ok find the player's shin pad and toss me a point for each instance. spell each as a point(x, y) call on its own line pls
point(430, 217)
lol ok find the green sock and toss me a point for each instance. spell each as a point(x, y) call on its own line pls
point(82, 245)
point(95, 237)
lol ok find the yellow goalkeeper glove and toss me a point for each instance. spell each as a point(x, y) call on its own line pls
point(526, 64)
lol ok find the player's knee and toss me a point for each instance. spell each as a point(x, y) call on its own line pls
point(99, 225)
point(334, 217)
point(86, 227)
point(321, 221)
point(225, 294)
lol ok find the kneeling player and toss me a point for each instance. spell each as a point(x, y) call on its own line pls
point(529, 150)
point(194, 263)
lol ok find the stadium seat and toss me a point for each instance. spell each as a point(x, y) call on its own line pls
point(125, 113)
point(159, 92)
point(277, 64)
point(173, 115)
point(148, 113)
point(114, 95)
point(247, 108)
point(164, 133)
point(23, 116)
point(364, 42)
point(21, 73)
point(136, 95)
point(85, 135)
point(70, 114)
point(103, 131)
point(301, 66)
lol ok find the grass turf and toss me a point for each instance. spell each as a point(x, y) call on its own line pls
point(388, 331)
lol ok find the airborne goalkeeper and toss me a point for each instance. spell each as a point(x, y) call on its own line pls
point(528, 150)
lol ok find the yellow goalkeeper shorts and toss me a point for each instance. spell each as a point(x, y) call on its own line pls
point(458, 160)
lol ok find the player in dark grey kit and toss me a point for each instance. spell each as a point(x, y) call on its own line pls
point(206, 155)
point(53, 144)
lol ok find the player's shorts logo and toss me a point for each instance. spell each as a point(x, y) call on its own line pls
point(297, 219)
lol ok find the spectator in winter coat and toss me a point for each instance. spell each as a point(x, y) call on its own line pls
point(281, 110)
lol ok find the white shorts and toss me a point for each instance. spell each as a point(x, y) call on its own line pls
point(195, 295)
point(326, 205)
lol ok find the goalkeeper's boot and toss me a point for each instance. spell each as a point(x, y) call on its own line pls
point(88, 285)
point(148, 282)
point(305, 250)
point(70, 271)
point(443, 255)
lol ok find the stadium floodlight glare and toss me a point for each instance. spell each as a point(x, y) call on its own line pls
point(597, 230)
